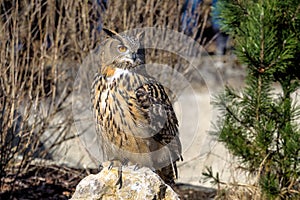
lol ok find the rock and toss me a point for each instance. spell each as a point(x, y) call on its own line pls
point(140, 183)
point(188, 191)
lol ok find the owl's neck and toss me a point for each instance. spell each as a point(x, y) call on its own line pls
point(109, 70)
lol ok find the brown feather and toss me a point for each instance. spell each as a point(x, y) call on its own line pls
point(134, 116)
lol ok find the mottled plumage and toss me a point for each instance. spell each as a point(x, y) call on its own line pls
point(134, 116)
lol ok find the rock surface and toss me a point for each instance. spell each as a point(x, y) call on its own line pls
point(137, 184)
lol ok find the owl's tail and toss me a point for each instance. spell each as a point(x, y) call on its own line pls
point(168, 173)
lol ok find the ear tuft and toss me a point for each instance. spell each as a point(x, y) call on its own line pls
point(140, 36)
point(110, 33)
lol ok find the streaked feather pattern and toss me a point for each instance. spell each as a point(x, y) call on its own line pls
point(135, 118)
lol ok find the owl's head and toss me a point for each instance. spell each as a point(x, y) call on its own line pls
point(121, 50)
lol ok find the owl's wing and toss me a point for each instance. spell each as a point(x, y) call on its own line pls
point(150, 104)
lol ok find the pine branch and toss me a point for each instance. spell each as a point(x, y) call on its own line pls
point(258, 126)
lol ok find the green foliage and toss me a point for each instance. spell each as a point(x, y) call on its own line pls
point(208, 174)
point(256, 124)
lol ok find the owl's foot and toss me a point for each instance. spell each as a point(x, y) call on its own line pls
point(100, 167)
point(119, 164)
point(136, 167)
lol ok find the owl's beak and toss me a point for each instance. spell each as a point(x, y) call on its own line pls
point(133, 56)
point(130, 58)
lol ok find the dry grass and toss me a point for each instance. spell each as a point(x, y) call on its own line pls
point(42, 43)
point(238, 192)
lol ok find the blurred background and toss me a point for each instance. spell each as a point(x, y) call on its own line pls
point(43, 43)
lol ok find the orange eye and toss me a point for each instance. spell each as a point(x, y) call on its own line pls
point(122, 48)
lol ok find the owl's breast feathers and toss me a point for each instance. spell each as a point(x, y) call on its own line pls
point(108, 71)
point(134, 112)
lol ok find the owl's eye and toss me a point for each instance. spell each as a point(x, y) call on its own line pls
point(122, 48)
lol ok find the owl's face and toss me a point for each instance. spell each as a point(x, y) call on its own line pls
point(122, 51)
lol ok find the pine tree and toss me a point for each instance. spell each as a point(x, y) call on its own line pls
point(256, 124)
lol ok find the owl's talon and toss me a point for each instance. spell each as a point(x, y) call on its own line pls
point(119, 164)
point(125, 162)
point(111, 165)
point(116, 163)
point(136, 167)
point(100, 167)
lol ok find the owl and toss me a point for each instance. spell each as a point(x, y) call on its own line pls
point(134, 116)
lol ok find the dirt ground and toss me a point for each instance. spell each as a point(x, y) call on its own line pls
point(56, 182)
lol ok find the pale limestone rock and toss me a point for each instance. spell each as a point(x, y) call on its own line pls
point(137, 184)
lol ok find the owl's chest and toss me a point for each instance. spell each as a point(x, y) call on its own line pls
point(115, 91)
point(111, 87)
